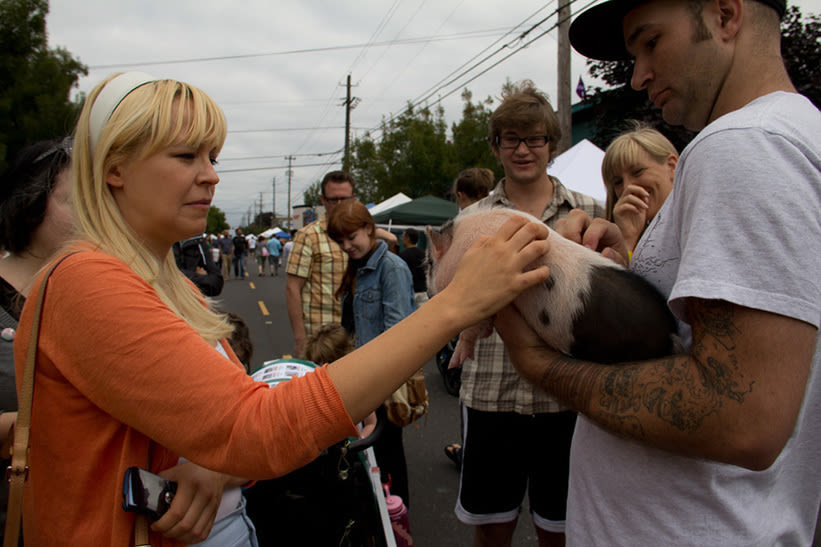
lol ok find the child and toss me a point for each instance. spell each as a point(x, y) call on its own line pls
point(326, 345)
point(240, 340)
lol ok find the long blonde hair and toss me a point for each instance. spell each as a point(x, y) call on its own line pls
point(149, 118)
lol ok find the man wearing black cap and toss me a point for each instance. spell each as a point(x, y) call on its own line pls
point(718, 445)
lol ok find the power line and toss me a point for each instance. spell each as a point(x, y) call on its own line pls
point(280, 155)
point(445, 80)
point(269, 168)
point(405, 41)
point(427, 96)
point(385, 19)
point(385, 51)
point(281, 129)
point(439, 85)
point(506, 57)
point(516, 45)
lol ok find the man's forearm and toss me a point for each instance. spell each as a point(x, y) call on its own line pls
point(672, 403)
point(735, 398)
point(293, 301)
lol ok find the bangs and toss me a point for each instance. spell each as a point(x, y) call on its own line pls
point(179, 111)
point(621, 153)
point(348, 217)
point(632, 147)
point(202, 121)
point(343, 225)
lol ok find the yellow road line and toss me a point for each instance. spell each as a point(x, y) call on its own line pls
point(251, 283)
point(263, 308)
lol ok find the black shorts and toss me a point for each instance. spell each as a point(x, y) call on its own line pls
point(506, 454)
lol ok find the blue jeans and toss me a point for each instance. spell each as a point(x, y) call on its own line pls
point(233, 530)
point(239, 265)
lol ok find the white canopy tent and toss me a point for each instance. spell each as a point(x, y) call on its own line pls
point(393, 201)
point(579, 169)
point(271, 231)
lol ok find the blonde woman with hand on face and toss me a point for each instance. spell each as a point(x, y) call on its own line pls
point(637, 170)
point(133, 365)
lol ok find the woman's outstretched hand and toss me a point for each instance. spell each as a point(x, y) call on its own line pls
point(495, 269)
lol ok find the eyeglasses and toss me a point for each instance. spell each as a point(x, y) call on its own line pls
point(336, 200)
point(509, 142)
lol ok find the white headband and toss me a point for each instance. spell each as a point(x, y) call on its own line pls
point(109, 98)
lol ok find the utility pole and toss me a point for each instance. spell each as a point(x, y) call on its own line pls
point(290, 174)
point(563, 95)
point(347, 159)
point(349, 103)
point(274, 203)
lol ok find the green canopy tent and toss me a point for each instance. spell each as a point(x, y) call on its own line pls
point(419, 212)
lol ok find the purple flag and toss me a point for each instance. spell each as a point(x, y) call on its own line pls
point(580, 90)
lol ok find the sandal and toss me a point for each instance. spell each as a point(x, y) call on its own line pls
point(454, 453)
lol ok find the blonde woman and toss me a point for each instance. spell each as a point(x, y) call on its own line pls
point(637, 170)
point(133, 364)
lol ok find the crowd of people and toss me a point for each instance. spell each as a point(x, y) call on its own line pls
point(716, 444)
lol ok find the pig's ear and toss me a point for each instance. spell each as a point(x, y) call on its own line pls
point(439, 242)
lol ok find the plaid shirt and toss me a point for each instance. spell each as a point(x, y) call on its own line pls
point(317, 259)
point(490, 383)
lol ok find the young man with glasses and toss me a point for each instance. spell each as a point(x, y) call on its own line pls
point(517, 438)
point(720, 443)
point(316, 265)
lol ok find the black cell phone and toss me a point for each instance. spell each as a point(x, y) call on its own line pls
point(147, 493)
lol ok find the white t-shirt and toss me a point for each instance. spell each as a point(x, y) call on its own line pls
point(743, 224)
point(232, 495)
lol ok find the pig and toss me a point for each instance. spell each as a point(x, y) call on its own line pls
point(590, 307)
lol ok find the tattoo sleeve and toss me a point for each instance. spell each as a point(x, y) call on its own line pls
point(679, 390)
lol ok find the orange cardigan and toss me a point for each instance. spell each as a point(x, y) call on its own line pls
point(116, 369)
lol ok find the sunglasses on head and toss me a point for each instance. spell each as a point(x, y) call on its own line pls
point(65, 145)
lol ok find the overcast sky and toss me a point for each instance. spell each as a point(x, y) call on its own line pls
point(278, 68)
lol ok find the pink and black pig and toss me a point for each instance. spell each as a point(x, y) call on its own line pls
point(590, 307)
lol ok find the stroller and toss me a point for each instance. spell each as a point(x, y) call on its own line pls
point(336, 500)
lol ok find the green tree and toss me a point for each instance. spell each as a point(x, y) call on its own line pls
point(413, 157)
point(35, 81)
point(311, 194)
point(801, 50)
point(470, 147)
point(216, 222)
point(415, 153)
point(367, 169)
point(620, 102)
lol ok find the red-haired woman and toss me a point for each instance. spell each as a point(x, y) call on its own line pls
point(376, 293)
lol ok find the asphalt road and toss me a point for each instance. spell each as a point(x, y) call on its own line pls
point(434, 480)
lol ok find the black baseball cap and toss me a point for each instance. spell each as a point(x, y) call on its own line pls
point(597, 32)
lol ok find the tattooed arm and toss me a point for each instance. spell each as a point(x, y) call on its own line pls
point(735, 398)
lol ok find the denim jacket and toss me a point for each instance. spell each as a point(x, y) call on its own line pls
point(383, 295)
